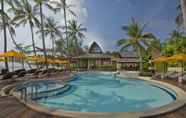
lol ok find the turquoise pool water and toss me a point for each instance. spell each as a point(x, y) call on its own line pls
point(94, 92)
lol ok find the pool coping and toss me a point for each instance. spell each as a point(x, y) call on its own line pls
point(178, 103)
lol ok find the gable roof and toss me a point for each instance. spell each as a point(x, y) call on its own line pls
point(95, 49)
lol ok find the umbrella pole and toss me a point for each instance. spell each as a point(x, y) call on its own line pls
point(22, 63)
point(180, 79)
point(12, 64)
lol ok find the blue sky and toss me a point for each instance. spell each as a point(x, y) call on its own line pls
point(104, 18)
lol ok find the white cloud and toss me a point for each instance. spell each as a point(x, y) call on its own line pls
point(78, 7)
point(81, 12)
point(91, 37)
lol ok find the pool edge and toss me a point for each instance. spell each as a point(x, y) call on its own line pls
point(180, 102)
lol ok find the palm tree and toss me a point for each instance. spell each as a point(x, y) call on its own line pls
point(10, 24)
point(61, 4)
point(138, 40)
point(39, 4)
point(26, 14)
point(4, 29)
point(52, 29)
point(76, 34)
point(177, 40)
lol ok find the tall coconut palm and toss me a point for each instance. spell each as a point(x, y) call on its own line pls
point(26, 14)
point(10, 26)
point(40, 4)
point(62, 5)
point(137, 39)
point(4, 29)
point(52, 29)
point(76, 34)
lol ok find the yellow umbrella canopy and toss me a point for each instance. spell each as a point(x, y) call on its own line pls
point(34, 58)
point(13, 54)
point(50, 61)
point(57, 61)
point(64, 62)
point(178, 57)
point(160, 59)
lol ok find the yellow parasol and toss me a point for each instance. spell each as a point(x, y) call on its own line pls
point(12, 54)
point(178, 57)
point(34, 58)
point(160, 59)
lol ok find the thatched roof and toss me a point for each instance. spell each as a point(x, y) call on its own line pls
point(95, 49)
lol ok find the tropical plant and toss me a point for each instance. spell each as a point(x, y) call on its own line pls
point(39, 5)
point(52, 29)
point(60, 47)
point(175, 44)
point(138, 40)
point(10, 24)
point(26, 14)
point(3, 18)
point(61, 4)
point(76, 35)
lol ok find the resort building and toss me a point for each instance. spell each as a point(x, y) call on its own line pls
point(128, 60)
point(95, 58)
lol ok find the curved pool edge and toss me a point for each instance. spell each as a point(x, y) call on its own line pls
point(178, 103)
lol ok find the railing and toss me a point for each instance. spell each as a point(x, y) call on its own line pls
point(35, 94)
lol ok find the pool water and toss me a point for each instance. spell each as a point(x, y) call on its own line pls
point(94, 92)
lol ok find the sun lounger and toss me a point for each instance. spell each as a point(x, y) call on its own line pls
point(184, 77)
point(8, 75)
point(168, 75)
point(31, 71)
point(37, 72)
point(20, 70)
point(157, 76)
point(21, 74)
point(176, 75)
point(4, 71)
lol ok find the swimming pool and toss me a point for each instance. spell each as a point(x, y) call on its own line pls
point(98, 92)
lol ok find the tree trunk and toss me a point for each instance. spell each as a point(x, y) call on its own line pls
point(33, 41)
point(5, 34)
point(65, 19)
point(183, 7)
point(43, 37)
point(141, 60)
point(53, 45)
